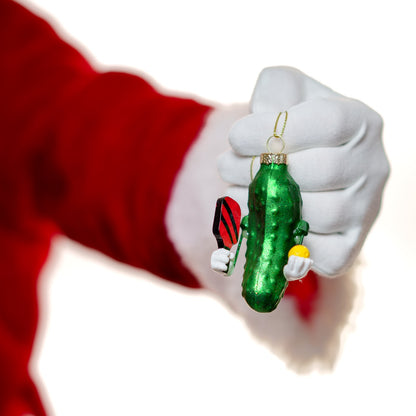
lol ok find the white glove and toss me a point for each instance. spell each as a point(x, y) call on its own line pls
point(335, 154)
point(220, 259)
point(319, 122)
point(297, 267)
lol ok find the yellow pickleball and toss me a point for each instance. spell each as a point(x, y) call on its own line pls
point(299, 250)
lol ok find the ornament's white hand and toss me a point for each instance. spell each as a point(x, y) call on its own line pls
point(220, 259)
point(297, 267)
point(335, 154)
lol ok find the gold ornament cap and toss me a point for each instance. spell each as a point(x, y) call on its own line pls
point(273, 158)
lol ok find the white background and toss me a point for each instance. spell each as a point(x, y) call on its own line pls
point(115, 341)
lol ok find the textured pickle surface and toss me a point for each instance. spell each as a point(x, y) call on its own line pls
point(274, 211)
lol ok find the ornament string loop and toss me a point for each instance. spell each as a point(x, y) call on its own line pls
point(275, 135)
point(251, 168)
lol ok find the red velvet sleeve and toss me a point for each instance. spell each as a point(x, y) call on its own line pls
point(95, 153)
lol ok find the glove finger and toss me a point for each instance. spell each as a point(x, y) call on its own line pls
point(220, 255)
point(317, 123)
point(223, 258)
point(279, 88)
point(218, 266)
point(326, 168)
point(334, 253)
point(315, 170)
point(334, 211)
point(301, 265)
point(235, 169)
point(295, 263)
point(290, 266)
point(306, 266)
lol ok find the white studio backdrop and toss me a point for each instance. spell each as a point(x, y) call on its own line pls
point(117, 341)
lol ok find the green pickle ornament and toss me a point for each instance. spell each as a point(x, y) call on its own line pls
point(274, 229)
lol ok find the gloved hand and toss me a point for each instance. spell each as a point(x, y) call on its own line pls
point(220, 259)
point(335, 154)
point(297, 267)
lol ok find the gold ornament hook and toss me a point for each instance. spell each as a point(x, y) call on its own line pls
point(275, 135)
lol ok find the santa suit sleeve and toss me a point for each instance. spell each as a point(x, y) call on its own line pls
point(101, 149)
point(88, 154)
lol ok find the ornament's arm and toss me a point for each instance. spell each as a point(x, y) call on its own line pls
point(244, 233)
point(227, 222)
point(301, 231)
point(224, 260)
point(299, 263)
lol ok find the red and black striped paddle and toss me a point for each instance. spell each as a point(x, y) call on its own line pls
point(227, 220)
